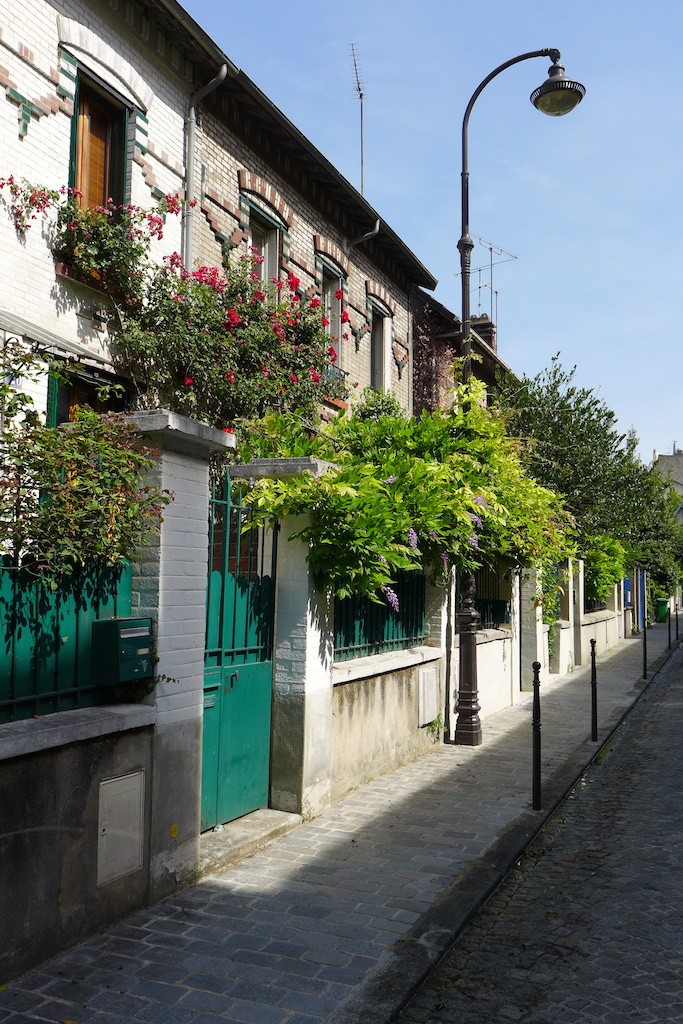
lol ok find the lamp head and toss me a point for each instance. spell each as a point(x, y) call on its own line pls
point(558, 95)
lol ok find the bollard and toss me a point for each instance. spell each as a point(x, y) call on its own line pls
point(594, 696)
point(536, 739)
point(645, 647)
point(676, 621)
point(668, 622)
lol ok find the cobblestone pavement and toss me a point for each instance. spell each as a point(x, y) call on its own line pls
point(300, 932)
point(589, 925)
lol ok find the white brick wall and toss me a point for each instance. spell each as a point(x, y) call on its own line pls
point(32, 290)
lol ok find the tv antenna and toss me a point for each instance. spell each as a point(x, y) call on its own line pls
point(361, 96)
point(496, 255)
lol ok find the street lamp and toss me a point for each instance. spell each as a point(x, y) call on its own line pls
point(557, 96)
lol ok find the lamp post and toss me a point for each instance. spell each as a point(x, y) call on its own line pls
point(558, 95)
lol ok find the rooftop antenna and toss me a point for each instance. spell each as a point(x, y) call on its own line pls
point(361, 96)
point(499, 252)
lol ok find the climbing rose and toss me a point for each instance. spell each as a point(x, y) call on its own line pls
point(293, 282)
point(339, 294)
point(345, 316)
point(314, 375)
point(315, 302)
point(188, 382)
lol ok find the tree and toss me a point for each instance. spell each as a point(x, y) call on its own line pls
point(572, 445)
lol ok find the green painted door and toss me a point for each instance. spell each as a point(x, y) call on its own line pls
point(238, 662)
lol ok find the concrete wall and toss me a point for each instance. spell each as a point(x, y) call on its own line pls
point(375, 715)
point(605, 627)
point(49, 834)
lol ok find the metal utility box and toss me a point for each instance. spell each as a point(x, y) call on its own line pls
point(122, 651)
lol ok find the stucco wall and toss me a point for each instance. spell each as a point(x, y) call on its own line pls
point(375, 727)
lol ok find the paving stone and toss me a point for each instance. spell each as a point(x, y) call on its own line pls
point(289, 933)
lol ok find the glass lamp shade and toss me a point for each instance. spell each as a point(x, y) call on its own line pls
point(558, 95)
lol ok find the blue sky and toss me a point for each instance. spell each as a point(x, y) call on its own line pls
point(590, 203)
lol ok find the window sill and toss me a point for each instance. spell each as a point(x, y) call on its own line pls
point(382, 664)
point(32, 735)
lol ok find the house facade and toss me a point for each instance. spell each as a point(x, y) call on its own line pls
point(103, 798)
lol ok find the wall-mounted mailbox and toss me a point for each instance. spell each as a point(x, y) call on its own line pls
point(122, 651)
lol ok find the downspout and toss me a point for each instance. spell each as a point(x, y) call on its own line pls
point(190, 143)
point(364, 238)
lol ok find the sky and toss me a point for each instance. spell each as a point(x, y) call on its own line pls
point(589, 204)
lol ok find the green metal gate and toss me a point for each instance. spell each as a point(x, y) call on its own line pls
point(238, 665)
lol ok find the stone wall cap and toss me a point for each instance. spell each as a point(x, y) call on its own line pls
point(276, 468)
point(18, 739)
point(171, 430)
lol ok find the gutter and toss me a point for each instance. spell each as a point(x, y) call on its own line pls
point(190, 147)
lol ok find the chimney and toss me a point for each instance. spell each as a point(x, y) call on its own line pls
point(486, 330)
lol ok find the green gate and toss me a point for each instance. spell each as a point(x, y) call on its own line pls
point(238, 666)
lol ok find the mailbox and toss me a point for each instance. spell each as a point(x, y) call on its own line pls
point(121, 651)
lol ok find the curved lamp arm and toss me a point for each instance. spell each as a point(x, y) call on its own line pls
point(465, 245)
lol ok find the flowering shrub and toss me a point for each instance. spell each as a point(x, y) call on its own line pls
point(220, 346)
point(104, 244)
point(446, 489)
point(110, 244)
point(27, 201)
point(212, 343)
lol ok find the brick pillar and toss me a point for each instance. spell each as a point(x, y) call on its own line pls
point(169, 584)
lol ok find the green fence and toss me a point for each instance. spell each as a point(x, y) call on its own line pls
point(45, 638)
point(362, 627)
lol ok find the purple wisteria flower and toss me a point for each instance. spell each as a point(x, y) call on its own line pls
point(433, 534)
point(473, 541)
point(390, 480)
point(412, 538)
point(392, 597)
point(445, 559)
point(476, 520)
point(479, 499)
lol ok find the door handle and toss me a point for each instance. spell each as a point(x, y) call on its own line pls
point(234, 678)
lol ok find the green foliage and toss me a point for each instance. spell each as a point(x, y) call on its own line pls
point(441, 490)
point(373, 404)
point(571, 444)
point(70, 495)
point(604, 566)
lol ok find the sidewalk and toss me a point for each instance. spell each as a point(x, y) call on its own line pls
point(340, 919)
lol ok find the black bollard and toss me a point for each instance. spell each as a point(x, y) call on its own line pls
point(536, 739)
point(676, 621)
point(594, 696)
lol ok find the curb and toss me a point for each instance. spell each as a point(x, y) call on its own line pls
point(403, 968)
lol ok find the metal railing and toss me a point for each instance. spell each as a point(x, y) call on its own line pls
point(362, 627)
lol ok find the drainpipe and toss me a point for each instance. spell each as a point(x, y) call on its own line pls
point(190, 143)
point(364, 238)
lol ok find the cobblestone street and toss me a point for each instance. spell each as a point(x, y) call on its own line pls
point(589, 925)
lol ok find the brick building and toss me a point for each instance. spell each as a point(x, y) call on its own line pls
point(101, 802)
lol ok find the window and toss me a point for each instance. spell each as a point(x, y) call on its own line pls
point(264, 241)
point(98, 391)
point(99, 145)
point(380, 349)
point(331, 301)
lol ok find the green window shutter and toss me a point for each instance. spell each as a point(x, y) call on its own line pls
point(51, 407)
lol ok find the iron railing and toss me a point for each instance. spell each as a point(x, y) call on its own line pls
point(45, 638)
point(362, 627)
